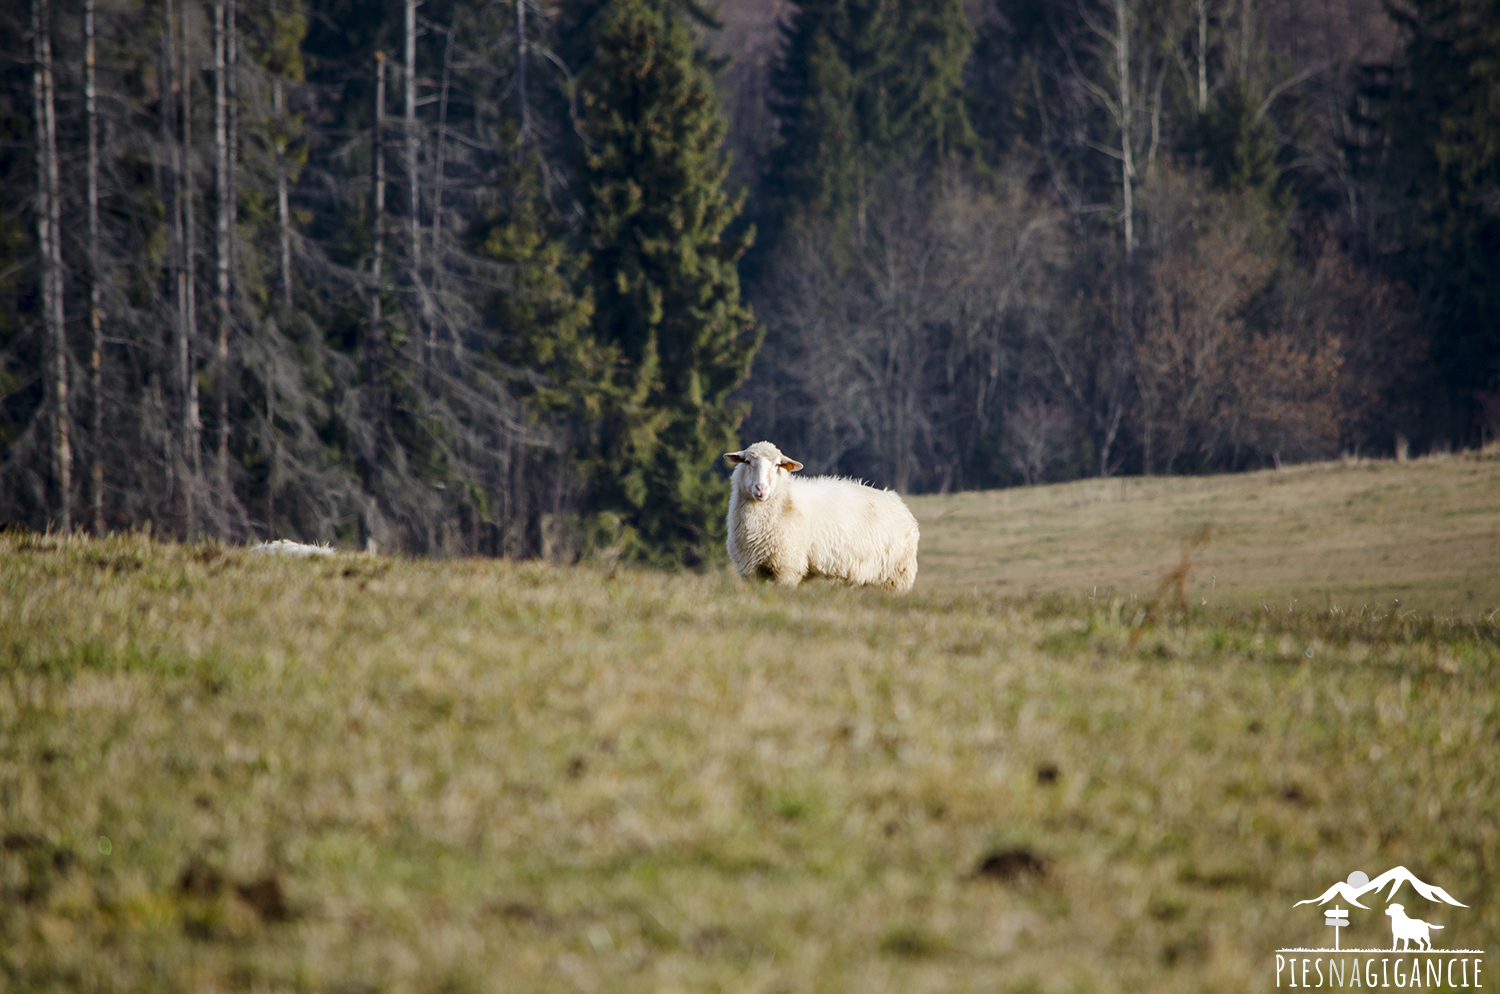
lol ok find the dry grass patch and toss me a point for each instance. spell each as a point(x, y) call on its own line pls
point(1347, 535)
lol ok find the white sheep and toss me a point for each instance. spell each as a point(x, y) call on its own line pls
point(286, 547)
point(785, 529)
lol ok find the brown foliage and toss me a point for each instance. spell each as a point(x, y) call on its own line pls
point(1385, 353)
point(1212, 389)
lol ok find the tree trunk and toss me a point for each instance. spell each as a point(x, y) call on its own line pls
point(1127, 121)
point(62, 428)
point(283, 212)
point(1244, 40)
point(377, 223)
point(413, 183)
point(231, 184)
point(167, 187)
point(275, 449)
point(437, 179)
point(48, 243)
point(223, 220)
point(521, 71)
point(187, 317)
point(1202, 11)
point(375, 415)
point(1116, 403)
point(49, 237)
point(411, 138)
point(96, 319)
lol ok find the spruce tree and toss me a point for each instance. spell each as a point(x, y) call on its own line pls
point(1443, 123)
point(864, 84)
point(666, 289)
point(541, 317)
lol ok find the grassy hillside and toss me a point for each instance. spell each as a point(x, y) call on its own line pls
point(223, 772)
point(1365, 533)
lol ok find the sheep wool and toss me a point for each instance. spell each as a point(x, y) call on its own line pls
point(787, 528)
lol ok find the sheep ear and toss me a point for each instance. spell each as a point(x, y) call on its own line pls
point(738, 457)
point(790, 465)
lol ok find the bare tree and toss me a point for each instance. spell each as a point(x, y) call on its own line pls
point(422, 299)
point(521, 103)
point(1115, 63)
point(1117, 69)
point(96, 322)
point(1217, 384)
point(1036, 436)
point(224, 220)
point(49, 238)
point(377, 227)
point(861, 342)
point(1200, 8)
point(895, 352)
point(177, 124)
point(283, 200)
point(440, 166)
point(413, 142)
point(1194, 325)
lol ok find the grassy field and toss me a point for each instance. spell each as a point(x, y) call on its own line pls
point(1366, 533)
point(224, 772)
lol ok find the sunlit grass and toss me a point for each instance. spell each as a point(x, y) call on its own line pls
point(363, 774)
point(1351, 535)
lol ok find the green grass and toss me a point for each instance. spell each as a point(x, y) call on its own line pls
point(364, 774)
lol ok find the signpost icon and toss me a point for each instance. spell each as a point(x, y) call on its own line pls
point(1338, 918)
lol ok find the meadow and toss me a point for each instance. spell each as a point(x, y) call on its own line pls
point(1375, 534)
point(1043, 771)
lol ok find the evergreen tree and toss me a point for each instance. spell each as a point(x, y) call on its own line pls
point(666, 288)
point(1443, 124)
point(865, 84)
point(543, 321)
point(559, 370)
point(20, 352)
point(1238, 145)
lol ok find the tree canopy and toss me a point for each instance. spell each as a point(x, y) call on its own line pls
point(453, 277)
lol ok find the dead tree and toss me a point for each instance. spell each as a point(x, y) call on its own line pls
point(178, 125)
point(377, 228)
point(49, 236)
point(283, 211)
point(96, 318)
point(413, 182)
point(437, 178)
point(521, 72)
point(224, 219)
point(1111, 75)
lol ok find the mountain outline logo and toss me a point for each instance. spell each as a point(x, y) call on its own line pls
point(1358, 885)
point(1412, 955)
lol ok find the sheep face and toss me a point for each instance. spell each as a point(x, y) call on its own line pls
point(760, 469)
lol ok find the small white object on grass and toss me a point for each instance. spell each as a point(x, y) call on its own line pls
point(286, 547)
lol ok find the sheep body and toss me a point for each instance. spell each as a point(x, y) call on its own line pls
point(286, 547)
point(818, 526)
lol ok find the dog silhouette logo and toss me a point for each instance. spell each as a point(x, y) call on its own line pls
point(1412, 960)
point(1408, 930)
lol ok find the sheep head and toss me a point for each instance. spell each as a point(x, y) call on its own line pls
point(760, 468)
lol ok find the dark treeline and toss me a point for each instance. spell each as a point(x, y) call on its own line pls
point(1018, 240)
point(459, 276)
point(444, 277)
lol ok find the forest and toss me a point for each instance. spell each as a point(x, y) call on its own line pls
point(507, 277)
